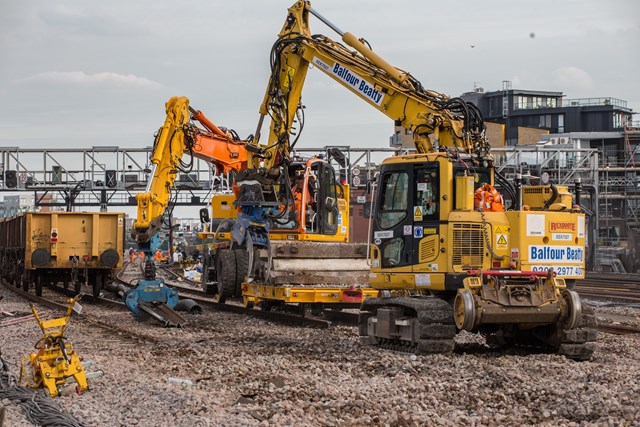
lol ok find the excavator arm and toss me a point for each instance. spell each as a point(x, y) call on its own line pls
point(177, 137)
point(434, 119)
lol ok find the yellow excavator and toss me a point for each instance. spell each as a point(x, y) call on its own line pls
point(445, 252)
point(177, 137)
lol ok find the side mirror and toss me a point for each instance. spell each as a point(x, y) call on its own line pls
point(371, 186)
point(204, 216)
point(330, 202)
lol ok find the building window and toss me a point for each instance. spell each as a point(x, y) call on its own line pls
point(560, 123)
point(552, 102)
point(617, 120)
point(545, 121)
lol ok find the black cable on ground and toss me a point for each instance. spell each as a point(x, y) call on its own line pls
point(39, 408)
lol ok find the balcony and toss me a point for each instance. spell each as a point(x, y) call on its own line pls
point(593, 102)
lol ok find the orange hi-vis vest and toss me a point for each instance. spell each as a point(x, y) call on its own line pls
point(488, 199)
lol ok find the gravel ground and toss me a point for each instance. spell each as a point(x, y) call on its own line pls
point(251, 372)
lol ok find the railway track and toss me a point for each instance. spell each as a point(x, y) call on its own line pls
point(616, 287)
point(619, 329)
point(188, 289)
point(56, 297)
point(597, 286)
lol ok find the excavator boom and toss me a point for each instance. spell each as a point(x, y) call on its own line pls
point(434, 119)
point(177, 137)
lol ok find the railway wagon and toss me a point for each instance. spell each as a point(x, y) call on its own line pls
point(75, 248)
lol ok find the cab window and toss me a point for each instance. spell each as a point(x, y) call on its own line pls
point(394, 199)
point(427, 189)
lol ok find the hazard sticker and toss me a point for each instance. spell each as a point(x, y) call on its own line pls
point(408, 230)
point(417, 213)
point(502, 241)
point(432, 267)
point(417, 232)
point(503, 229)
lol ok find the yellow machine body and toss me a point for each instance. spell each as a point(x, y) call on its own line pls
point(456, 241)
point(535, 197)
point(55, 360)
point(307, 295)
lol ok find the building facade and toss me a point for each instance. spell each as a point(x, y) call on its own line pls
point(14, 205)
point(530, 112)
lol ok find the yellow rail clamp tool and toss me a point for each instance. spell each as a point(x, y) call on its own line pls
point(55, 360)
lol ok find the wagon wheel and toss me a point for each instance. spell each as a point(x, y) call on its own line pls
point(38, 281)
point(97, 284)
point(24, 279)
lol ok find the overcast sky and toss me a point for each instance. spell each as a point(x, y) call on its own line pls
point(81, 73)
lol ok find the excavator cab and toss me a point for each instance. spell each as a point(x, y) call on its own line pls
point(313, 205)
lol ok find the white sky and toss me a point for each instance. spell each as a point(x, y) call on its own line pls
point(80, 73)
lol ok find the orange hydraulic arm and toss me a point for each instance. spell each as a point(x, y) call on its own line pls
point(179, 135)
point(217, 146)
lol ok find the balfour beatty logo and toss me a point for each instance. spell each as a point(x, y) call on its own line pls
point(363, 87)
point(555, 253)
point(563, 226)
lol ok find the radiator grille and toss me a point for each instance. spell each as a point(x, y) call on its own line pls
point(428, 250)
point(534, 190)
point(468, 246)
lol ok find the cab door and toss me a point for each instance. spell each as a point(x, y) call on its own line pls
point(393, 224)
point(327, 200)
point(426, 215)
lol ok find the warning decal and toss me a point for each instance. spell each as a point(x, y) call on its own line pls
point(417, 213)
point(502, 241)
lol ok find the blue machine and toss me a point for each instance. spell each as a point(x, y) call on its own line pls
point(151, 296)
point(149, 291)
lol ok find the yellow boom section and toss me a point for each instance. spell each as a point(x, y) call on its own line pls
point(167, 153)
point(435, 119)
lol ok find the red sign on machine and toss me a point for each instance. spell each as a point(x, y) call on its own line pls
point(563, 226)
point(54, 235)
